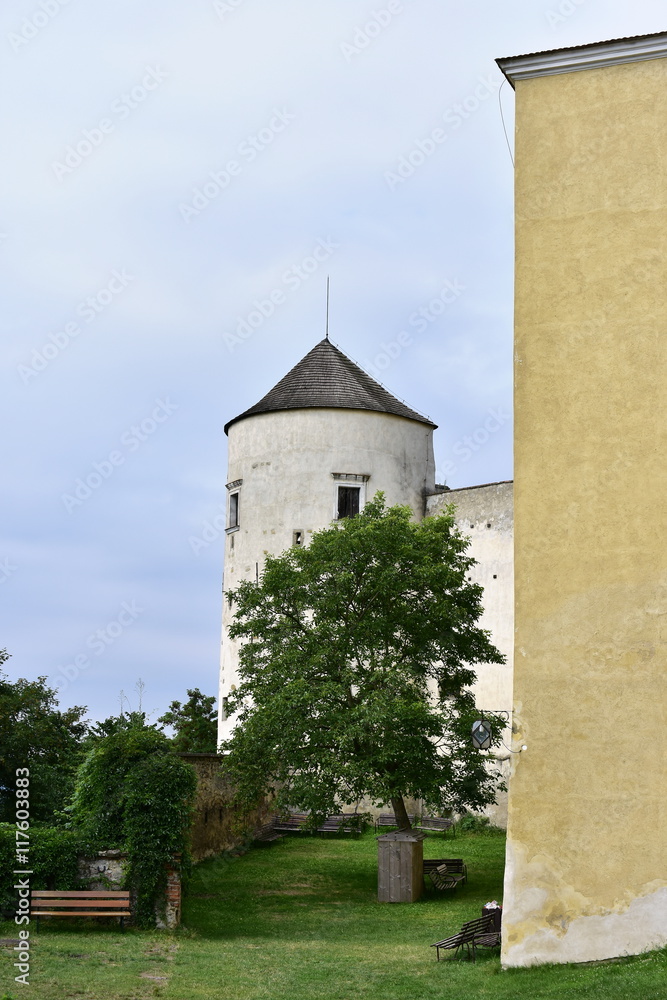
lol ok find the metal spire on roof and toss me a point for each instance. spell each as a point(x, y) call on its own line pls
point(326, 335)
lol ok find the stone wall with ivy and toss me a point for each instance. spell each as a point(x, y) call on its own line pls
point(107, 870)
point(216, 827)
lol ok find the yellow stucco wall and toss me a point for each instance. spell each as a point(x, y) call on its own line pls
point(587, 857)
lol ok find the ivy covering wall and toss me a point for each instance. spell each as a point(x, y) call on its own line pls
point(135, 793)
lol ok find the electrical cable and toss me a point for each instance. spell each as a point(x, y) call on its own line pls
point(502, 118)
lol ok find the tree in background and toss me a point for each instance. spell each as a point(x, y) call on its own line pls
point(195, 723)
point(34, 733)
point(355, 669)
point(116, 724)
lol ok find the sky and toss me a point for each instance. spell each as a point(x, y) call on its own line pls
point(178, 183)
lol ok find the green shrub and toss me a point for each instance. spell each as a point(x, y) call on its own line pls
point(472, 823)
point(53, 857)
point(135, 793)
point(158, 794)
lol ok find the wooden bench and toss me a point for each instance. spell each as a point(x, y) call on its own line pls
point(481, 932)
point(388, 819)
point(343, 823)
point(454, 865)
point(442, 878)
point(80, 903)
point(294, 823)
point(436, 823)
point(267, 834)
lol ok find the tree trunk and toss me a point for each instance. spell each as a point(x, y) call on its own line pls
point(401, 813)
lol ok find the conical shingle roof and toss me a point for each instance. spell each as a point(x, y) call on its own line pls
point(325, 377)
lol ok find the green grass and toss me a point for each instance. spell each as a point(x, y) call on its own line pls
point(299, 920)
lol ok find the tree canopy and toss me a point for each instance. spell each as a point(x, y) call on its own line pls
point(34, 733)
point(195, 723)
point(355, 669)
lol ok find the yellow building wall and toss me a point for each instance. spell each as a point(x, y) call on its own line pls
point(586, 874)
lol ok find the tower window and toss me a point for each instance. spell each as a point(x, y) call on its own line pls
point(348, 501)
point(349, 493)
point(233, 510)
point(297, 537)
point(234, 494)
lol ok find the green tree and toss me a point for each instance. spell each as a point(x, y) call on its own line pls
point(355, 669)
point(34, 733)
point(195, 723)
point(134, 792)
point(100, 799)
point(115, 724)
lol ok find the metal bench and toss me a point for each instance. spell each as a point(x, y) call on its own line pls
point(442, 878)
point(80, 903)
point(481, 932)
point(454, 865)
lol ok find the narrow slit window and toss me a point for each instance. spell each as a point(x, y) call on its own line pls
point(348, 501)
point(233, 510)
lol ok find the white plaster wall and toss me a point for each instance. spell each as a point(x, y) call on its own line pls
point(286, 460)
point(485, 515)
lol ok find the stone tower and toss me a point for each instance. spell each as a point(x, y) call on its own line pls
point(325, 439)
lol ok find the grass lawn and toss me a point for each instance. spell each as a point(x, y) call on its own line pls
point(299, 920)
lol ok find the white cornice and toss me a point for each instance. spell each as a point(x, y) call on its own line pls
point(596, 56)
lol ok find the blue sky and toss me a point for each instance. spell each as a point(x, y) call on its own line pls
point(178, 183)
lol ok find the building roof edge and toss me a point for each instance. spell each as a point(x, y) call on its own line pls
point(595, 55)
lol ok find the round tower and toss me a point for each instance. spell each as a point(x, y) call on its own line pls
point(313, 450)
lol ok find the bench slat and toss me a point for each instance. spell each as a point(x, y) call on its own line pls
point(80, 913)
point(436, 823)
point(73, 904)
point(83, 894)
point(480, 931)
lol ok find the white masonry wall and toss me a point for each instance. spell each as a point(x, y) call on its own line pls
point(286, 462)
point(486, 515)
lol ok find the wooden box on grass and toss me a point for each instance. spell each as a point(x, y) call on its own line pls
point(400, 866)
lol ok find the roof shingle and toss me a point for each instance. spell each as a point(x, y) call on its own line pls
point(325, 377)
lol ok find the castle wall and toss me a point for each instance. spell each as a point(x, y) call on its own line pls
point(216, 827)
point(286, 461)
point(485, 515)
point(586, 876)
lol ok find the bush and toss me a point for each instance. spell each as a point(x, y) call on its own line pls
point(133, 792)
point(158, 793)
point(53, 856)
point(471, 823)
